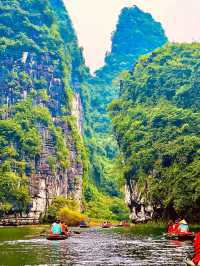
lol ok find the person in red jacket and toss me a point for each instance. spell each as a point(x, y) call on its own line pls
point(170, 227)
point(196, 258)
point(173, 227)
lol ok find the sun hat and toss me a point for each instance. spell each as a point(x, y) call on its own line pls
point(183, 222)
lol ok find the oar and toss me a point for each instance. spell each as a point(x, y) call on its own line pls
point(76, 232)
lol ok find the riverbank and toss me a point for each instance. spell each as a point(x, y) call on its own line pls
point(151, 228)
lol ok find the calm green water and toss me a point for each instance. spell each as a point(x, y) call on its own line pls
point(19, 247)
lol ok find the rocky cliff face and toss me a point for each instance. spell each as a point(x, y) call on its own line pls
point(42, 153)
point(47, 175)
point(139, 210)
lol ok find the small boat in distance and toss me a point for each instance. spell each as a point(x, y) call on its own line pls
point(57, 237)
point(179, 231)
point(106, 224)
point(123, 224)
point(83, 225)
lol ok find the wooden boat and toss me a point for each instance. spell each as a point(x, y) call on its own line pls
point(182, 236)
point(57, 237)
point(108, 225)
point(119, 225)
point(84, 226)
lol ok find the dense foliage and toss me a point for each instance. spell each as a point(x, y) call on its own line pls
point(27, 25)
point(67, 210)
point(156, 123)
point(136, 34)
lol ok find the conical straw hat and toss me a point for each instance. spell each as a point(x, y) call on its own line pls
point(183, 222)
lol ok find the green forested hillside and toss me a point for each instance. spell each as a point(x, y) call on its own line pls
point(156, 123)
point(80, 74)
point(27, 25)
point(38, 134)
point(48, 98)
point(136, 33)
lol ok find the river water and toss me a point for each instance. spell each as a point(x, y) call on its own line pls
point(92, 247)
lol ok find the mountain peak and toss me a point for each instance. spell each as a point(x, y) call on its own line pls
point(136, 33)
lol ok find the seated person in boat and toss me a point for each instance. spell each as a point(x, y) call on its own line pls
point(107, 224)
point(183, 227)
point(170, 228)
point(82, 223)
point(173, 227)
point(56, 228)
point(65, 230)
point(125, 223)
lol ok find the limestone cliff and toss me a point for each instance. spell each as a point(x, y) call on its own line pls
point(41, 119)
point(46, 180)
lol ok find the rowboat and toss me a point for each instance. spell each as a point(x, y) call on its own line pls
point(84, 226)
point(182, 236)
point(57, 237)
point(106, 225)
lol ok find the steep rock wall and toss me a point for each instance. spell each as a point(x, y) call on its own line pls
point(141, 210)
point(47, 176)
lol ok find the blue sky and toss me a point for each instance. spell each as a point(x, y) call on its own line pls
point(94, 20)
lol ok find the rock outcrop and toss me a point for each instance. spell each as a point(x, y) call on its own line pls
point(141, 210)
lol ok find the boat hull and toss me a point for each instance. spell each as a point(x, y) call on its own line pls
point(181, 237)
point(84, 226)
point(56, 237)
point(106, 226)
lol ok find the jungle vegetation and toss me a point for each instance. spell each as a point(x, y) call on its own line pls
point(136, 34)
point(156, 124)
point(154, 136)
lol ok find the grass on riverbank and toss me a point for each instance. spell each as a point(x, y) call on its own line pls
point(143, 229)
point(151, 228)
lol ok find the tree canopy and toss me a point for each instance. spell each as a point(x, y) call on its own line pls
point(156, 123)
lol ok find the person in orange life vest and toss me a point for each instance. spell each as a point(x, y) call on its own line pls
point(64, 228)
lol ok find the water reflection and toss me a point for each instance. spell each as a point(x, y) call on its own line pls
point(94, 248)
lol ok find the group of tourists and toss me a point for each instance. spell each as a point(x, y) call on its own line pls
point(179, 226)
point(59, 228)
